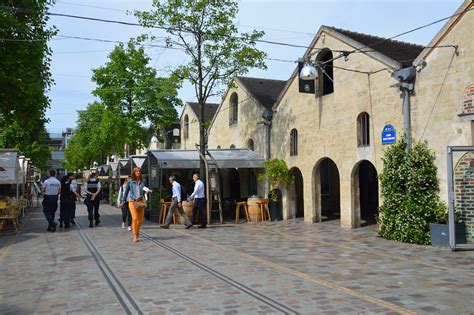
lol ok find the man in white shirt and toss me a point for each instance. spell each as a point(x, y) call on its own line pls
point(199, 201)
point(51, 189)
point(175, 204)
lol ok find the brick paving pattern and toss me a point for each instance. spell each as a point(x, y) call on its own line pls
point(272, 268)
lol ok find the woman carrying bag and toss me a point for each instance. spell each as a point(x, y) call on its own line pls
point(134, 194)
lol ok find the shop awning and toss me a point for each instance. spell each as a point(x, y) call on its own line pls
point(139, 160)
point(225, 158)
point(10, 171)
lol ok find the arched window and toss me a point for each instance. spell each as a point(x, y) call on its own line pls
point(293, 142)
point(232, 146)
point(186, 127)
point(250, 144)
point(325, 73)
point(233, 109)
point(363, 130)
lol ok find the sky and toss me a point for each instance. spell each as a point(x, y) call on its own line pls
point(290, 21)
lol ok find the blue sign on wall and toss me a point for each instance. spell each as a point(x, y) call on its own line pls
point(389, 135)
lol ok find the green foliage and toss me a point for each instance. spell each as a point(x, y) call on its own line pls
point(410, 191)
point(25, 78)
point(206, 31)
point(278, 175)
point(128, 85)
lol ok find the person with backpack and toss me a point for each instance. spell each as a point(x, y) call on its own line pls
point(176, 199)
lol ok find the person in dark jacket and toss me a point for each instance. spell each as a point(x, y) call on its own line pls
point(67, 201)
point(93, 199)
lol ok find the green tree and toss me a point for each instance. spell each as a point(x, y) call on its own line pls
point(99, 133)
point(206, 31)
point(128, 86)
point(25, 78)
point(410, 190)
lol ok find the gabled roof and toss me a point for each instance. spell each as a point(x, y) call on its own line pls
point(399, 51)
point(265, 91)
point(394, 54)
point(456, 17)
point(209, 109)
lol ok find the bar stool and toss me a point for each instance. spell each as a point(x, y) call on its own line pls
point(165, 205)
point(237, 211)
point(263, 205)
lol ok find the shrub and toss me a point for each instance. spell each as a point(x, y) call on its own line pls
point(278, 175)
point(410, 191)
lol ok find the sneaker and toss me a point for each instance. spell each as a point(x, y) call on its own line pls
point(61, 225)
point(90, 224)
point(130, 228)
point(164, 227)
point(188, 226)
point(123, 225)
point(97, 222)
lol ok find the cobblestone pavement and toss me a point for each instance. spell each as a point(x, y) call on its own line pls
point(285, 267)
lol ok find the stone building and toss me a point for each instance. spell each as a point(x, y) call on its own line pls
point(238, 124)
point(443, 106)
point(189, 121)
point(330, 137)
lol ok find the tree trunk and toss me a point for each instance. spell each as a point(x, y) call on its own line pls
point(202, 140)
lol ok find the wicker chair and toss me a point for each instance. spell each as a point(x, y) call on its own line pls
point(10, 212)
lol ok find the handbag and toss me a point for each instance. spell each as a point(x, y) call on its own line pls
point(140, 203)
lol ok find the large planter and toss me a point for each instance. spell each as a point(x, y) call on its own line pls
point(439, 234)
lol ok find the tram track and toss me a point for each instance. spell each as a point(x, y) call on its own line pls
point(304, 275)
point(234, 283)
point(124, 298)
point(281, 268)
point(226, 279)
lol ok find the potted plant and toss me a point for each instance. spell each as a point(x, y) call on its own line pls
point(278, 175)
point(439, 231)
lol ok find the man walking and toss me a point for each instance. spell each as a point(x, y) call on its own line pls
point(199, 202)
point(175, 204)
point(51, 189)
point(93, 199)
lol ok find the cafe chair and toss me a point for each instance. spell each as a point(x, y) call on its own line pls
point(264, 211)
point(165, 206)
point(238, 205)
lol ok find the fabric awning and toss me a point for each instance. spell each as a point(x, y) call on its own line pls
point(225, 158)
point(10, 171)
point(139, 160)
point(114, 166)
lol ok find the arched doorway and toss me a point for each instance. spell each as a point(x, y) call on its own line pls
point(296, 193)
point(365, 193)
point(327, 177)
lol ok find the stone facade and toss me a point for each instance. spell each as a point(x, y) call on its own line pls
point(338, 155)
point(437, 106)
point(327, 128)
point(224, 134)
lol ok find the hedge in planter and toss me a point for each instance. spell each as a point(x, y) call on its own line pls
point(410, 188)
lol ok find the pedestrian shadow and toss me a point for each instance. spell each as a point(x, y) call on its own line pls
point(6, 236)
